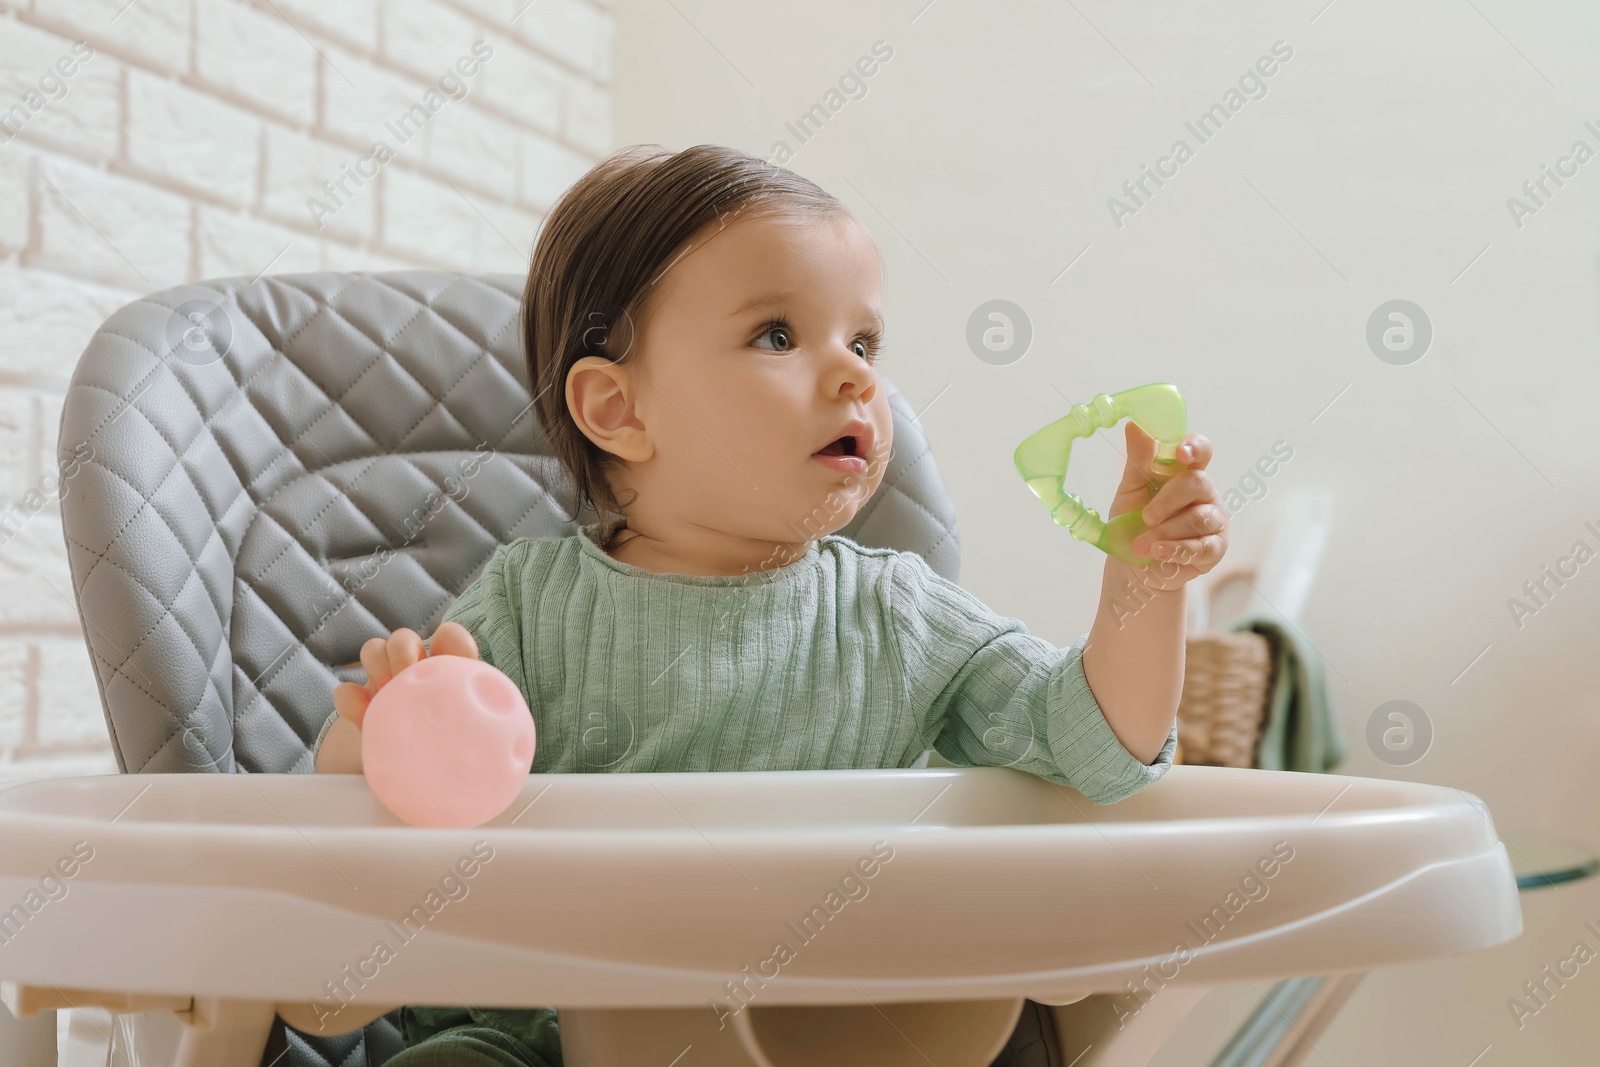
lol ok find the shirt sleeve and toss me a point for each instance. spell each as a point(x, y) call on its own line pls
point(490, 610)
point(486, 608)
point(993, 694)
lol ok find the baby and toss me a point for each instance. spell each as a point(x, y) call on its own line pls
point(703, 332)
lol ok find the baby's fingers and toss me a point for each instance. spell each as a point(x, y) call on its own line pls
point(1195, 452)
point(375, 659)
point(1190, 488)
point(350, 701)
point(1197, 521)
point(405, 648)
point(453, 639)
point(386, 657)
point(1201, 553)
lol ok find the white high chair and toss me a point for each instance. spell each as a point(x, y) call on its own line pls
point(278, 473)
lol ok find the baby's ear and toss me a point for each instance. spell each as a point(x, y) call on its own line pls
point(600, 399)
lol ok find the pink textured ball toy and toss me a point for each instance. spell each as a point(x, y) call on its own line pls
point(447, 742)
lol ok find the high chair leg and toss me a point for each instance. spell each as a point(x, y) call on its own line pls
point(1103, 1031)
point(224, 1033)
point(28, 1042)
point(209, 1031)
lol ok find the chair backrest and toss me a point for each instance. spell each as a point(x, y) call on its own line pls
point(261, 474)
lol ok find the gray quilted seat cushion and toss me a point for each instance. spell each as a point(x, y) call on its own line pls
point(279, 469)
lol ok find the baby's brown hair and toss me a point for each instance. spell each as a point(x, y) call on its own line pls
point(607, 242)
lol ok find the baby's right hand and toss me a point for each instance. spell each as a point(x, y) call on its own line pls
point(383, 658)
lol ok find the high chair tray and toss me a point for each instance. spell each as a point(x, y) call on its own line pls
point(658, 889)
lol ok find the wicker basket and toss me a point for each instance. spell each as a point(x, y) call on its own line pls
point(1224, 699)
point(1226, 680)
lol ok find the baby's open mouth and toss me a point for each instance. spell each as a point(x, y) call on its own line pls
point(843, 446)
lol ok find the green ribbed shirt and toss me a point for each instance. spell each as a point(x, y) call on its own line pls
point(851, 657)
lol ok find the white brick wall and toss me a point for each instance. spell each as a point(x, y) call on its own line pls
point(186, 143)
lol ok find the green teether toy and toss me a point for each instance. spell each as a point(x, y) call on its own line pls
point(1042, 461)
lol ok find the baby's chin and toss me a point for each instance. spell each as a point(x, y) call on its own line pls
point(829, 513)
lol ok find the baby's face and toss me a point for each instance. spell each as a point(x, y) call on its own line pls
point(757, 352)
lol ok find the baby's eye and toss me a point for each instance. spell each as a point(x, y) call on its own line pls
point(777, 329)
point(869, 347)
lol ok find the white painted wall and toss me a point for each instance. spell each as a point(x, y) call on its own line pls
point(185, 139)
point(1377, 166)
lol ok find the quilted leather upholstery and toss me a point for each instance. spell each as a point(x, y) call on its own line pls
point(269, 472)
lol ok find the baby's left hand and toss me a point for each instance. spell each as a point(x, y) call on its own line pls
point(1188, 531)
